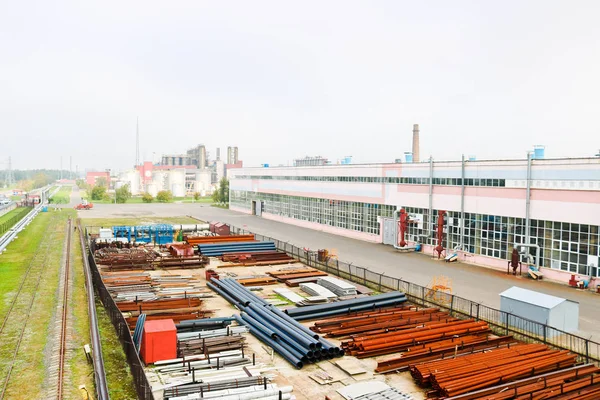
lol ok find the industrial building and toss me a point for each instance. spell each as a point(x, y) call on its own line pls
point(489, 206)
point(181, 181)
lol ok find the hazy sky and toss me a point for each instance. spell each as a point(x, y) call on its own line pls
point(284, 79)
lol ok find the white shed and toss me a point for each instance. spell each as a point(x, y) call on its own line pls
point(554, 311)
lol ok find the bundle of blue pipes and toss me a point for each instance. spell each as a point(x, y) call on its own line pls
point(291, 340)
point(390, 299)
point(215, 250)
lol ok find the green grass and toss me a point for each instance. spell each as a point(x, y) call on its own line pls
point(224, 206)
point(16, 198)
point(29, 371)
point(63, 196)
point(118, 375)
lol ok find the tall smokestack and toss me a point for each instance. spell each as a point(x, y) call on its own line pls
point(415, 147)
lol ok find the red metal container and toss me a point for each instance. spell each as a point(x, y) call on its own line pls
point(159, 341)
point(222, 229)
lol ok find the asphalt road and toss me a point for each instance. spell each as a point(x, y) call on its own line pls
point(472, 282)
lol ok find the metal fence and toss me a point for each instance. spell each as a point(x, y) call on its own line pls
point(502, 323)
point(142, 386)
point(10, 222)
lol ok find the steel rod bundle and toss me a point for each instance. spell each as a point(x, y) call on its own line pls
point(294, 342)
point(191, 346)
point(215, 386)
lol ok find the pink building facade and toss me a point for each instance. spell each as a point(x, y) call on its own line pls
point(492, 206)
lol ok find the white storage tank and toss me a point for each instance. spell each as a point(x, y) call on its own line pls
point(151, 188)
point(177, 190)
point(131, 178)
point(176, 178)
point(202, 181)
point(159, 179)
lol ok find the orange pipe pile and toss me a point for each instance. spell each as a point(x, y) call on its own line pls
point(580, 382)
point(408, 317)
point(165, 304)
point(194, 240)
point(392, 342)
point(293, 273)
point(476, 371)
point(443, 349)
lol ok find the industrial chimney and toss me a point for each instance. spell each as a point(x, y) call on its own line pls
point(415, 147)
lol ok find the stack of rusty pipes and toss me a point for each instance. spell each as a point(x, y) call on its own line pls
point(392, 342)
point(476, 371)
point(382, 321)
point(581, 382)
point(195, 240)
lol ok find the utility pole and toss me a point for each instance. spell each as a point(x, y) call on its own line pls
point(10, 178)
point(61, 167)
point(137, 141)
point(70, 167)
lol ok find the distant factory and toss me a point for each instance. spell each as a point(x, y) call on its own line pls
point(182, 174)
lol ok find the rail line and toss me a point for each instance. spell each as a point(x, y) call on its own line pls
point(39, 260)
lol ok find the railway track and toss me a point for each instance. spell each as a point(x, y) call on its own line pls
point(14, 324)
point(56, 374)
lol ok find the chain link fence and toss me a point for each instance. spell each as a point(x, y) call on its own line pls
point(502, 323)
point(136, 366)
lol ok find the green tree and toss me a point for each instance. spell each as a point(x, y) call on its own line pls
point(196, 196)
point(98, 192)
point(40, 180)
point(102, 182)
point(147, 198)
point(164, 196)
point(216, 196)
point(123, 194)
point(224, 190)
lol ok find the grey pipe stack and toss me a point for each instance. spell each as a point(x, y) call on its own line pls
point(294, 342)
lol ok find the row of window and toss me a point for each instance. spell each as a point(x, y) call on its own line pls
point(356, 216)
point(379, 179)
point(565, 246)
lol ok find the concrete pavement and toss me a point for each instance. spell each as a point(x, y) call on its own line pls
point(472, 282)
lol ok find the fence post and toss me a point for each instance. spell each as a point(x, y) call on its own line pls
point(507, 318)
point(397, 284)
point(423, 295)
point(545, 329)
point(350, 272)
point(477, 311)
point(451, 304)
point(365, 276)
point(380, 276)
point(587, 350)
